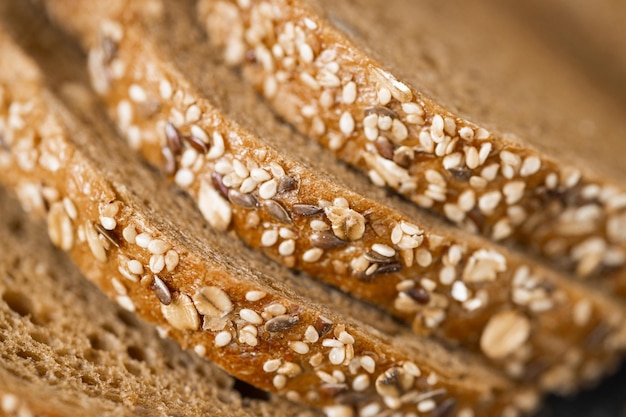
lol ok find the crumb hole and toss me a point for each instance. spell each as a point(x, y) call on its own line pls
point(128, 318)
point(40, 337)
point(248, 391)
point(28, 354)
point(136, 353)
point(132, 368)
point(18, 302)
point(89, 380)
point(97, 342)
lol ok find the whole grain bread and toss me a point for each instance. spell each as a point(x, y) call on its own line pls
point(437, 278)
point(147, 248)
point(68, 350)
point(452, 105)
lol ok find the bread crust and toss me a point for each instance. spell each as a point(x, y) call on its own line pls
point(337, 94)
point(445, 283)
point(249, 324)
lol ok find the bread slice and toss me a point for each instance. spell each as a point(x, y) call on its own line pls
point(440, 279)
point(68, 350)
point(152, 253)
point(511, 133)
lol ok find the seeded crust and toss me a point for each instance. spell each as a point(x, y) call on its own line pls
point(518, 314)
point(538, 191)
point(212, 294)
point(84, 355)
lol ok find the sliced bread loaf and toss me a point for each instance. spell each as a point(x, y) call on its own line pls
point(68, 350)
point(150, 251)
point(437, 278)
point(514, 143)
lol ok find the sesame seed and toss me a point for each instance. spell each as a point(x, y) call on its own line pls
point(368, 364)
point(279, 381)
point(157, 263)
point(125, 302)
point(447, 275)
point(70, 208)
point(423, 257)
point(337, 355)
point(453, 212)
point(255, 295)
point(426, 406)
point(436, 128)
point(467, 200)
point(143, 240)
point(306, 53)
point(309, 81)
point(171, 260)
point(349, 93)
point(346, 123)
point(287, 247)
point(361, 382)
point(94, 243)
point(108, 223)
point(311, 335)
point(135, 267)
point(478, 182)
point(514, 191)
point(384, 96)
point(326, 377)
point(271, 365)
point(137, 94)
point(312, 255)
point(165, 89)
point(223, 338)
point(289, 369)
point(129, 234)
point(472, 159)
point(250, 316)
point(459, 291)
point(268, 189)
point(435, 178)
point(327, 99)
point(158, 247)
point(384, 122)
point(384, 250)
point(346, 338)
point(530, 166)
point(332, 343)
point(399, 130)
point(217, 148)
point(502, 229)
point(184, 177)
point(316, 359)
point(276, 309)
point(489, 201)
point(299, 347)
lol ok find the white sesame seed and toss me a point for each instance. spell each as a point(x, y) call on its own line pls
point(383, 250)
point(368, 364)
point(184, 177)
point(312, 255)
point(260, 175)
point(158, 247)
point(490, 171)
point(423, 257)
point(287, 247)
point(530, 166)
point(384, 122)
point(472, 159)
point(384, 96)
point(489, 201)
point(143, 240)
point(276, 309)
point(399, 130)
point(217, 148)
point(286, 233)
point(165, 89)
point(447, 275)
point(316, 359)
point(326, 377)
point(371, 121)
point(70, 208)
point(268, 189)
point(193, 114)
point(240, 169)
point(502, 229)
point(332, 343)
point(435, 178)
point(311, 335)
point(349, 92)
point(108, 223)
point(337, 355)
point(453, 212)
point(306, 53)
point(125, 302)
point(327, 99)
point(157, 263)
point(370, 410)
point(279, 381)
point(346, 338)
point(309, 81)
point(552, 180)
point(459, 291)
point(477, 182)
point(136, 93)
point(436, 128)
point(466, 133)
point(248, 186)
point(299, 347)
point(361, 382)
point(135, 267)
point(467, 200)
point(426, 406)
point(129, 234)
point(271, 365)
point(412, 108)
point(346, 123)
point(453, 160)
point(514, 191)
point(255, 295)
point(250, 316)
point(483, 153)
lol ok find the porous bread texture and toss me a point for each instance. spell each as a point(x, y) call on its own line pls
point(149, 251)
point(510, 309)
point(68, 350)
point(555, 191)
